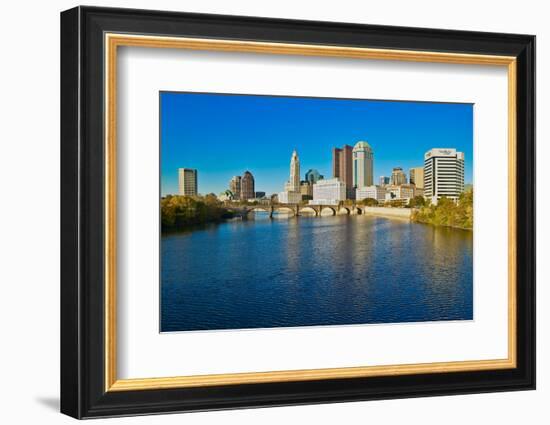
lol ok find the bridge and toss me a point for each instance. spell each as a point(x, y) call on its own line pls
point(243, 209)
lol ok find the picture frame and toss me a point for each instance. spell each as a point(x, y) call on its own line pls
point(90, 40)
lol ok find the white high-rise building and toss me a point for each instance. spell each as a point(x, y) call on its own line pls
point(328, 192)
point(187, 179)
point(443, 174)
point(363, 156)
point(292, 193)
point(294, 182)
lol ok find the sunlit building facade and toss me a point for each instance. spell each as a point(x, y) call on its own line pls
point(235, 186)
point(187, 182)
point(363, 158)
point(247, 186)
point(416, 177)
point(328, 192)
point(398, 176)
point(342, 167)
point(443, 174)
point(372, 192)
point(292, 192)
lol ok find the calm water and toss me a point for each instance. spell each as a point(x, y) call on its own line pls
point(314, 271)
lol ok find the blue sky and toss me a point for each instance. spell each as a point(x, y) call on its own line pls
point(224, 135)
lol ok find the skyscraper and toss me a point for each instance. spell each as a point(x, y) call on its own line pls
point(187, 181)
point(416, 177)
point(443, 174)
point(293, 184)
point(398, 176)
point(383, 181)
point(313, 176)
point(235, 186)
point(291, 194)
point(247, 186)
point(342, 167)
point(363, 157)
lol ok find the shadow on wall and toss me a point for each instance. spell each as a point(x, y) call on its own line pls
point(49, 402)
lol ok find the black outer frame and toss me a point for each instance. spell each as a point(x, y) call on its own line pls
point(82, 212)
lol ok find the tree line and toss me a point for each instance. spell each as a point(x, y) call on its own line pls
point(180, 212)
point(458, 214)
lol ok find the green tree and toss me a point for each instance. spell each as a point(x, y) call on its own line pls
point(448, 212)
point(417, 202)
point(369, 202)
point(178, 212)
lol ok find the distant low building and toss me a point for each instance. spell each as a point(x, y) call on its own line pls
point(399, 192)
point(306, 189)
point(313, 176)
point(372, 192)
point(286, 197)
point(328, 192)
point(418, 191)
point(383, 181)
point(226, 195)
point(260, 194)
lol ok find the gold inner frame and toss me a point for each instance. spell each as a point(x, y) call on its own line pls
point(113, 41)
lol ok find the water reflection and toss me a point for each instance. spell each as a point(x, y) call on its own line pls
point(314, 271)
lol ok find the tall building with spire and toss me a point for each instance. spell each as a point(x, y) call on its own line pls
point(293, 184)
point(292, 194)
point(363, 158)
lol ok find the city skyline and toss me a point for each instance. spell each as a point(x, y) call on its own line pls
point(255, 133)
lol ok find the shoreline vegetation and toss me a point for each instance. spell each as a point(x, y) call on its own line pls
point(459, 215)
point(181, 212)
point(184, 212)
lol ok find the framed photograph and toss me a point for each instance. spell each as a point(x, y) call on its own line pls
point(261, 212)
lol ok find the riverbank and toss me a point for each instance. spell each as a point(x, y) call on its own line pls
point(184, 212)
point(447, 213)
point(402, 213)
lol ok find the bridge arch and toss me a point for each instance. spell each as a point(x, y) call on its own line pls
point(326, 208)
point(358, 210)
point(257, 209)
point(344, 211)
point(284, 210)
point(309, 210)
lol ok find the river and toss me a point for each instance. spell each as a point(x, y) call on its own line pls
point(307, 271)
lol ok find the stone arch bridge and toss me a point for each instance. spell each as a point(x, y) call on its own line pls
point(296, 209)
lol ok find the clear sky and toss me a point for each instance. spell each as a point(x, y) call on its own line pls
point(224, 135)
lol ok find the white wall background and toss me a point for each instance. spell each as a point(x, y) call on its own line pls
point(29, 212)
